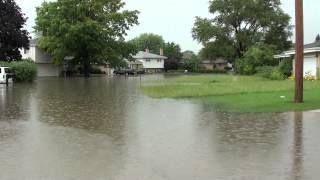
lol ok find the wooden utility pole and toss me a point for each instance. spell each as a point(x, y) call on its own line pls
point(299, 52)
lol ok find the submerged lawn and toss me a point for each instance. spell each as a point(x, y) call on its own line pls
point(236, 93)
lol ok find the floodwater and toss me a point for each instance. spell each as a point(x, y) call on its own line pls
point(104, 128)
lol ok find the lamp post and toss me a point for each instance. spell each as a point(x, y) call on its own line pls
point(299, 53)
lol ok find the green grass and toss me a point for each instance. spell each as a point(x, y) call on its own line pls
point(236, 93)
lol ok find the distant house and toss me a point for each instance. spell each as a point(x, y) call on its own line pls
point(152, 63)
point(311, 58)
point(218, 64)
point(42, 59)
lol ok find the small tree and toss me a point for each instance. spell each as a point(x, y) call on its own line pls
point(12, 35)
point(258, 55)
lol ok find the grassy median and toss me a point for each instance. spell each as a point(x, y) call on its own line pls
point(236, 93)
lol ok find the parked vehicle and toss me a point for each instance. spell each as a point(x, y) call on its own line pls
point(125, 72)
point(6, 72)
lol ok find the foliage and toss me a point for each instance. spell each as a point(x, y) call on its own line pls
point(173, 52)
point(276, 74)
point(191, 64)
point(286, 67)
point(236, 93)
point(171, 64)
point(239, 24)
point(264, 71)
point(25, 70)
point(89, 31)
point(309, 77)
point(12, 35)
point(258, 55)
point(150, 41)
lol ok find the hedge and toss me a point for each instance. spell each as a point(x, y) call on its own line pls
point(25, 70)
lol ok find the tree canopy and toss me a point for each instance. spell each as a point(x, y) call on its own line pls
point(89, 31)
point(150, 41)
point(172, 51)
point(13, 36)
point(239, 24)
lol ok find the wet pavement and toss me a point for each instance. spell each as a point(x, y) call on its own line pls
point(104, 128)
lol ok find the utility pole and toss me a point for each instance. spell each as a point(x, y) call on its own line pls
point(299, 53)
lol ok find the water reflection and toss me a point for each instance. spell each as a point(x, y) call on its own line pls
point(297, 169)
point(104, 128)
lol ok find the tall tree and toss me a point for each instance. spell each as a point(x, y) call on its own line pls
point(239, 24)
point(150, 41)
point(12, 34)
point(90, 31)
point(173, 52)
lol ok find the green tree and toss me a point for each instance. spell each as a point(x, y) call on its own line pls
point(239, 24)
point(149, 41)
point(89, 31)
point(190, 61)
point(257, 56)
point(173, 52)
point(12, 35)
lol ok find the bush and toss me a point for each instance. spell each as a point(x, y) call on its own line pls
point(258, 55)
point(264, 71)
point(286, 67)
point(26, 70)
point(276, 74)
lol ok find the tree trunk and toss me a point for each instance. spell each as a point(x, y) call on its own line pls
point(86, 68)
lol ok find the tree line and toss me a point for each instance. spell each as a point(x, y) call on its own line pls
point(94, 32)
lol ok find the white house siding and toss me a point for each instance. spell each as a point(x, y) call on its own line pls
point(48, 70)
point(310, 65)
point(153, 63)
point(29, 54)
point(43, 61)
point(42, 56)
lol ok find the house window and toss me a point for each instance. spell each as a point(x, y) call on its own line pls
point(147, 60)
point(159, 60)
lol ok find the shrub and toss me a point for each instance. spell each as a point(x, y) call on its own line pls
point(286, 67)
point(264, 71)
point(276, 74)
point(258, 55)
point(25, 70)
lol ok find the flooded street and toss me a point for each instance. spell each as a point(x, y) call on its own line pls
point(104, 128)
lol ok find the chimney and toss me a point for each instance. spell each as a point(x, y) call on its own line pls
point(161, 52)
point(318, 38)
point(147, 50)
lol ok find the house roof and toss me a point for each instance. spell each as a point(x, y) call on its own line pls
point(146, 55)
point(308, 48)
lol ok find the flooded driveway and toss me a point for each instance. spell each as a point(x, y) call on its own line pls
point(103, 128)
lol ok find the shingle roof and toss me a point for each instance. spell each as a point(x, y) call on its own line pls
point(313, 45)
point(146, 55)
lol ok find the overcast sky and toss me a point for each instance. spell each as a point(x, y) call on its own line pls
point(173, 19)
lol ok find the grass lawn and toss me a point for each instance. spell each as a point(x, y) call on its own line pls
point(236, 93)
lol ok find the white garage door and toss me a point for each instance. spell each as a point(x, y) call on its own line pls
point(310, 66)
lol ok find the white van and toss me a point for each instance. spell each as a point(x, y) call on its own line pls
point(4, 72)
